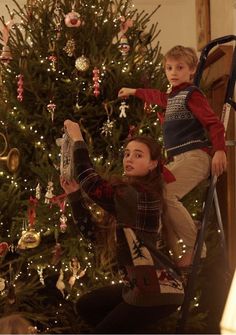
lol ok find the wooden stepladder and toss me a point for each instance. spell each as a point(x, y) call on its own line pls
point(211, 197)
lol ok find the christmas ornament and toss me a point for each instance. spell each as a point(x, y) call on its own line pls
point(6, 56)
point(70, 47)
point(122, 109)
point(82, 63)
point(96, 84)
point(38, 191)
point(30, 239)
point(60, 200)
point(13, 157)
point(57, 20)
point(124, 46)
point(57, 253)
point(60, 285)
point(53, 61)
point(124, 26)
point(77, 105)
point(76, 271)
point(49, 193)
point(63, 225)
point(4, 247)
point(20, 87)
point(40, 273)
point(72, 19)
point(133, 130)
point(51, 109)
point(2, 284)
point(67, 160)
point(108, 125)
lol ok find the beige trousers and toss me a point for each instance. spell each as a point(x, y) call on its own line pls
point(190, 169)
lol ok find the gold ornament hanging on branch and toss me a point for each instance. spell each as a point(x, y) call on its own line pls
point(12, 159)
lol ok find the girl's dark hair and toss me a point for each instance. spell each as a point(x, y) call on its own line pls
point(106, 246)
point(153, 181)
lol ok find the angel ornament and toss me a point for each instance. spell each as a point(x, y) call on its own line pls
point(66, 163)
point(76, 271)
point(63, 225)
point(60, 285)
point(49, 193)
point(122, 109)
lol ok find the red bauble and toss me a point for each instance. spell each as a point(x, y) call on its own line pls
point(72, 19)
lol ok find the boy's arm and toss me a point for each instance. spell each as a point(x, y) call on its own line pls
point(200, 107)
point(149, 95)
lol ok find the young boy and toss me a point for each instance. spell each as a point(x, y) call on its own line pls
point(187, 117)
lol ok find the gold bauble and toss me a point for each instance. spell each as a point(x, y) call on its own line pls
point(82, 63)
point(29, 239)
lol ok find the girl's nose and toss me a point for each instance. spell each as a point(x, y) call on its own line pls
point(129, 159)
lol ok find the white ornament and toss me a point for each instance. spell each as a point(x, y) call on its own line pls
point(38, 191)
point(67, 162)
point(49, 194)
point(122, 109)
point(107, 127)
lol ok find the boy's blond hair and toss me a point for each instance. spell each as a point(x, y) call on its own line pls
point(188, 54)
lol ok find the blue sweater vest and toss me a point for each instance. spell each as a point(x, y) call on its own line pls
point(181, 129)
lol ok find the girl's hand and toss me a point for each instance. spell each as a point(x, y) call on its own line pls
point(73, 130)
point(219, 163)
point(69, 186)
point(124, 92)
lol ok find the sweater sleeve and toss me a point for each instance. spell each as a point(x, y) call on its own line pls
point(200, 107)
point(97, 188)
point(81, 215)
point(152, 96)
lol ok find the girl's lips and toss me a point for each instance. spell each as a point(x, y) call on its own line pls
point(128, 168)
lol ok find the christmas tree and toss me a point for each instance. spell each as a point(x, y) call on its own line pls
point(64, 59)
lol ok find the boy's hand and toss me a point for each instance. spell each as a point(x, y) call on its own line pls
point(69, 186)
point(124, 92)
point(73, 130)
point(219, 163)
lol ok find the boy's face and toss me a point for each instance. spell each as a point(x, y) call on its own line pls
point(178, 71)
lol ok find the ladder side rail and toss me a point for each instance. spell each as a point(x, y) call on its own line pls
point(189, 292)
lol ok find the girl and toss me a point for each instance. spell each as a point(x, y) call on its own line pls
point(151, 289)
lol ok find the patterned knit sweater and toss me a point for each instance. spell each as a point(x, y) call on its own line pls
point(181, 130)
point(187, 119)
point(149, 277)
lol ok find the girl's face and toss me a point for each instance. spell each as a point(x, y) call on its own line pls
point(137, 161)
point(178, 71)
